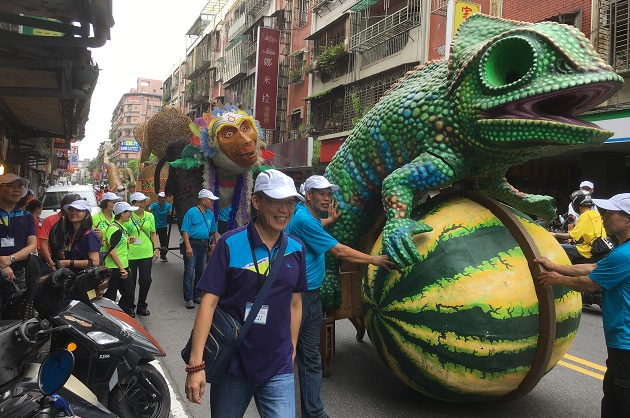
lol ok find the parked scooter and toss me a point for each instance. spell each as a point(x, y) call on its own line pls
point(113, 350)
point(26, 388)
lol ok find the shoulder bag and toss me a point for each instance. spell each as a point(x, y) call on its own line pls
point(601, 246)
point(227, 333)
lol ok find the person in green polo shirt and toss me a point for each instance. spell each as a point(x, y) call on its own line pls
point(143, 252)
point(118, 258)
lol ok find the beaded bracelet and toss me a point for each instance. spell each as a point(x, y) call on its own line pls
point(195, 369)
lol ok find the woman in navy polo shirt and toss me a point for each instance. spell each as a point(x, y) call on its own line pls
point(81, 244)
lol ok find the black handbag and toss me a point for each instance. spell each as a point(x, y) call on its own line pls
point(601, 246)
point(226, 333)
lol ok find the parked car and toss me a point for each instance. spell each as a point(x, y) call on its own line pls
point(53, 195)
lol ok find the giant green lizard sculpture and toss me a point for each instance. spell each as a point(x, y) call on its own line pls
point(510, 92)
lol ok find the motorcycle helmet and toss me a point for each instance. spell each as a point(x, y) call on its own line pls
point(581, 198)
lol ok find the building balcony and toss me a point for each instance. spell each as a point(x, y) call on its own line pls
point(254, 7)
point(235, 64)
point(320, 6)
point(240, 25)
point(390, 26)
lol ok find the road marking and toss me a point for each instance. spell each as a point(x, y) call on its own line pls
point(585, 362)
point(583, 370)
point(177, 409)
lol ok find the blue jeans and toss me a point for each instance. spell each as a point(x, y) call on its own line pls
point(194, 265)
point(230, 396)
point(308, 358)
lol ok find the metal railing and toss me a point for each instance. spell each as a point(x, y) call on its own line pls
point(401, 21)
point(240, 25)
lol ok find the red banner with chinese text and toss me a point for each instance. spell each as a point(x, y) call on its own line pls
point(266, 88)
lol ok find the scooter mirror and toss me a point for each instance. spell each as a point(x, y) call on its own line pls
point(55, 371)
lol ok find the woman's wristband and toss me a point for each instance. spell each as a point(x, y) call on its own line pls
point(195, 369)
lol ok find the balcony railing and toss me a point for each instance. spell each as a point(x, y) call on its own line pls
point(396, 23)
point(253, 7)
point(250, 51)
point(235, 64)
point(320, 5)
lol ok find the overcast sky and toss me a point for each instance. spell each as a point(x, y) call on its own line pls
point(148, 39)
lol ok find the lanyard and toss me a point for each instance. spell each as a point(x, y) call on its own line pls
point(205, 221)
point(141, 221)
point(7, 226)
point(261, 277)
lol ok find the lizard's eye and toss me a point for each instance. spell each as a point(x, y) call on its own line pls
point(509, 62)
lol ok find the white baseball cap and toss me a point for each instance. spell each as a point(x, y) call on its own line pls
point(276, 184)
point(10, 178)
point(137, 196)
point(617, 202)
point(318, 182)
point(588, 184)
point(161, 194)
point(120, 207)
point(206, 193)
point(78, 204)
point(121, 187)
point(110, 196)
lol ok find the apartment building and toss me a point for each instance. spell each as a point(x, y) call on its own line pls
point(137, 106)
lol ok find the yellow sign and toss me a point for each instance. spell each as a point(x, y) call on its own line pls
point(463, 10)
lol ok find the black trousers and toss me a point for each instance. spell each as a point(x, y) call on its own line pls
point(116, 284)
point(163, 236)
point(616, 401)
point(140, 274)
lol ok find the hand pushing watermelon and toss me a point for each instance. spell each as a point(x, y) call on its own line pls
point(463, 324)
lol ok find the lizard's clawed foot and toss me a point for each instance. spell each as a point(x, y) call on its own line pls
point(398, 240)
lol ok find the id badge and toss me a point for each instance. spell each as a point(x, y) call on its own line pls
point(261, 318)
point(7, 242)
point(138, 241)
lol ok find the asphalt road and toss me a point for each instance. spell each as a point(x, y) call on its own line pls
point(362, 386)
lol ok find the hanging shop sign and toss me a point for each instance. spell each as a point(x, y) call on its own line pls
point(266, 87)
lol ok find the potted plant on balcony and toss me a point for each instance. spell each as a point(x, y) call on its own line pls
point(295, 75)
point(327, 60)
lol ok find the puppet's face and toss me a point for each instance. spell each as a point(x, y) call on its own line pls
point(239, 143)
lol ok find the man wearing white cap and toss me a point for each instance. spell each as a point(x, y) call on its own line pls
point(612, 275)
point(161, 210)
point(17, 232)
point(44, 232)
point(142, 252)
point(199, 232)
point(262, 366)
point(307, 226)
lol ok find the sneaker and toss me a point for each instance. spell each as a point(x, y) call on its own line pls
point(131, 313)
point(143, 312)
point(190, 304)
point(164, 260)
point(197, 300)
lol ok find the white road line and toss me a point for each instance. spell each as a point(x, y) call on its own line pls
point(177, 409)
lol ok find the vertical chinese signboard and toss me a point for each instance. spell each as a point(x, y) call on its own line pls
point(266, 88)
point(463, 10)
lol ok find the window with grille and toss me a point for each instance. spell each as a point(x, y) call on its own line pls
point(613, 37)
point(296, 67)
point(300, 13)
point(294, 124)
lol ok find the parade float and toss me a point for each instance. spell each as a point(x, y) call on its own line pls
point(464, 317)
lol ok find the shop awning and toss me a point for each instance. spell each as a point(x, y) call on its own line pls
point(363, 4)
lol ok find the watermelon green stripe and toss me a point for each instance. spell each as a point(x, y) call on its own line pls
point(496, 296)
point(488, 244)
point(473, 353)
point(471, 322)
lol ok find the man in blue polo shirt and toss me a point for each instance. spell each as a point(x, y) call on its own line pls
point(307, 226)
point(263, 365)
point(161, 210)
point(199, 232)
point(612, 274)
point(17, 232)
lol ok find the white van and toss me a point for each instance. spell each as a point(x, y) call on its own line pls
point(52, 198)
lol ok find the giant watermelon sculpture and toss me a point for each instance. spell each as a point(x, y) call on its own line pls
point(465, 323)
